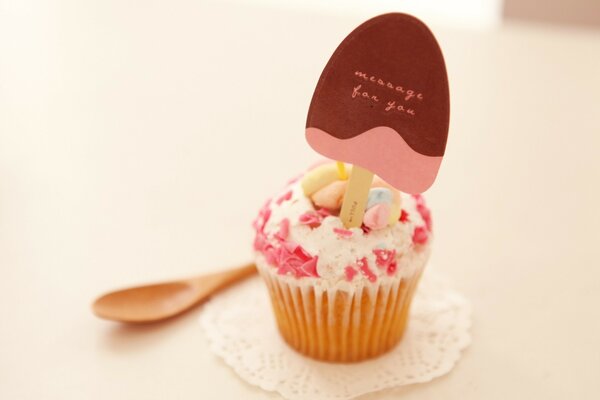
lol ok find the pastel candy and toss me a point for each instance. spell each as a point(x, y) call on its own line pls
point(331, 196)
point(378, 182)
point(378, 216)
point(319, 177)
point(379, 195)
point(396, 206)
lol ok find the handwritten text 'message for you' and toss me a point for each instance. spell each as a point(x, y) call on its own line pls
point(408, 93)
point(391, 105)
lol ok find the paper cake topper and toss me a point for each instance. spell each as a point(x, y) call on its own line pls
point(382, 103)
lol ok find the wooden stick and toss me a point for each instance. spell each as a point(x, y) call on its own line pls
point(355, 199)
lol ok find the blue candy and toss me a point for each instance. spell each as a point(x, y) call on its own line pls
point(379, 196)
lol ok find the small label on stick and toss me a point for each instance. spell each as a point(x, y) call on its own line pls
point(355, 199)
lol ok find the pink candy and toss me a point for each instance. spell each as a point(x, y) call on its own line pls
point(377, 217)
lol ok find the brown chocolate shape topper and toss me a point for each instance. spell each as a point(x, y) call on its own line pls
point(382, 102)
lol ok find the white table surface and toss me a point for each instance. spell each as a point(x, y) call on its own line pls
point(137, 142)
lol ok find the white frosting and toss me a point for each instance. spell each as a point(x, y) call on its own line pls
point(336, 252)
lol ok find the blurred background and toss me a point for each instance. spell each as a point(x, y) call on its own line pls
point(459, 13)
point(138, 139)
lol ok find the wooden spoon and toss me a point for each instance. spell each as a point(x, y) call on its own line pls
point(156, 302)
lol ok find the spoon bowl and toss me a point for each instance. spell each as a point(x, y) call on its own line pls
point(151, 303)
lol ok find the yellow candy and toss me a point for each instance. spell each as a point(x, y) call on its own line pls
point(331, 196)
point(319, 177)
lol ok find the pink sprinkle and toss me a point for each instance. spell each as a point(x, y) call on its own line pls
point(291, 259)
point(404, 216)
point(423, 210)
point(286, 270)
point(391, 270)
point(365, 229)
point(350, 273)
point(260, 241)
point(266, 216)
point(342, 232)
point(419, 198)
point(284, 197)
point(309, 268)
point(366, 271)
point(288, 257)
point(263, 216)
point(271, 255)
point(284, 229)
point(323, 212)
point(420, 235)
point(291, 247)
point(426, 215)
point(311, 219)
point(384, 257)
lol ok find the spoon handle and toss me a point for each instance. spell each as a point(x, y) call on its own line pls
point(209, 284)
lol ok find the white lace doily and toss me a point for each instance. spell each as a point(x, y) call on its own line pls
point(241, 329)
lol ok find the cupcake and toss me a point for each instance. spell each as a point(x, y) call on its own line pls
point(341, 295)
